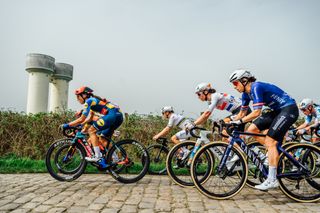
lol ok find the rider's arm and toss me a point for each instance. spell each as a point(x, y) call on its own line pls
point(253, 115)
point(203, 118)
point(89, 118)
point(77, 121)
point(163, 132)
point(240, 115)
point(302, 126)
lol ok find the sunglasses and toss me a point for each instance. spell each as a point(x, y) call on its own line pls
point(199, 94)
point(235, 83)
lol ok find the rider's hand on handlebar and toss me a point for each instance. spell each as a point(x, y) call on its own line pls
point(301, 131)
point(155, 137)
point(238, 122)
point(189, 126)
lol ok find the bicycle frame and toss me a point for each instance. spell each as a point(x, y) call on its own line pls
point(254, 158)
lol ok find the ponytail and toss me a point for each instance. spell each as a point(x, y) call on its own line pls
point(98, 97)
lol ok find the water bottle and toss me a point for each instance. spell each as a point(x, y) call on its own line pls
point(258, 152)
point(194, 151)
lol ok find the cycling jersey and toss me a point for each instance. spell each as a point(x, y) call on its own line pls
point(315, 115)
point(223, 101)
point(178, 120)
point(265, 94)
point(99, 106)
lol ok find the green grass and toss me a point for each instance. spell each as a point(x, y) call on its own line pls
point(14, 164)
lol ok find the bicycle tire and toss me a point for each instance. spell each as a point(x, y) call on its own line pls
point(287, 184)
point(158, 155)
point(135, 156)
point(205, 188)
point(181, 174)
point(54, 149)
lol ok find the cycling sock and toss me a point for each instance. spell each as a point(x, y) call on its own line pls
point(272, 176)
point(97, 151)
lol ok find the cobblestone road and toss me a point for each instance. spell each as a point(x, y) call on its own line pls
point(101, 193)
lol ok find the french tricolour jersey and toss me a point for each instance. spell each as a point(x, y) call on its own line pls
point(265, 94)
point(223, 101)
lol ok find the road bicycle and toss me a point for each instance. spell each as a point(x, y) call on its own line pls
point(127, 160)
point(178, 168)
point(158, 153)
point(302, 184)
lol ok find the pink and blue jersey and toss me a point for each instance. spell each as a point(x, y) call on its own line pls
point(265, 94)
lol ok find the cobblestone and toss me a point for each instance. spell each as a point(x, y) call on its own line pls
point(101, 193)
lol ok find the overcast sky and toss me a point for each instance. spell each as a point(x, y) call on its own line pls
point(146, 54)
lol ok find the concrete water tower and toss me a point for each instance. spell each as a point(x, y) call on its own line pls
point(59, 87)
point(40, 68)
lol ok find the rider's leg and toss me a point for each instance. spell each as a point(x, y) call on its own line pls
point(95, 141)
point(175, 139)
point(273, 157)
point(254, 129)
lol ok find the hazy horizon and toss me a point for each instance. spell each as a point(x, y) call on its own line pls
point(147, 54)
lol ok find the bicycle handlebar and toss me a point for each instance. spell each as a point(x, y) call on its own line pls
point(71, 131)
point(193, 129)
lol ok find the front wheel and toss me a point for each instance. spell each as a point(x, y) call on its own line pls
point(158, 155)
point(65, 161)
point(225, 182)
point(178, 168)
point(128, 160)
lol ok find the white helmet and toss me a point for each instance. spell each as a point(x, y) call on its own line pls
point(202, 87)
point(167, 109)
point(305, 103)
point(239, 74)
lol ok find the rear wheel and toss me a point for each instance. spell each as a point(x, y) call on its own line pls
point(300, 185)
point(129, 161)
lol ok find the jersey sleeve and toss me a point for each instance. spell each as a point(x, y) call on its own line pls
point(307, 119)
point(171, 121)
point(87, 106)
point(257, 95)
point(214, 101)
point(245, 100)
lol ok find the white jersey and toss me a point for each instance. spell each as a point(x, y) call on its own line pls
point(178, 120)
point(223, 101)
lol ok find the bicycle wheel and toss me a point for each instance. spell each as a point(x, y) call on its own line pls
point(65, 161)
point(177, 165)
point(158, 155)
point(300, 185)
point(222, 184)
point(133, 159)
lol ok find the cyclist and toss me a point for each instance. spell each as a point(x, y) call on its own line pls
point(110, 118)
point(284, 112)
point(175, 120)
point(310, 110)
point(220, 101)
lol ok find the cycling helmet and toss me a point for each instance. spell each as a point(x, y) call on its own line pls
point(240, 74)
point(83, 90)
point(202, 87)
point(305, 103)
point(167, 109)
